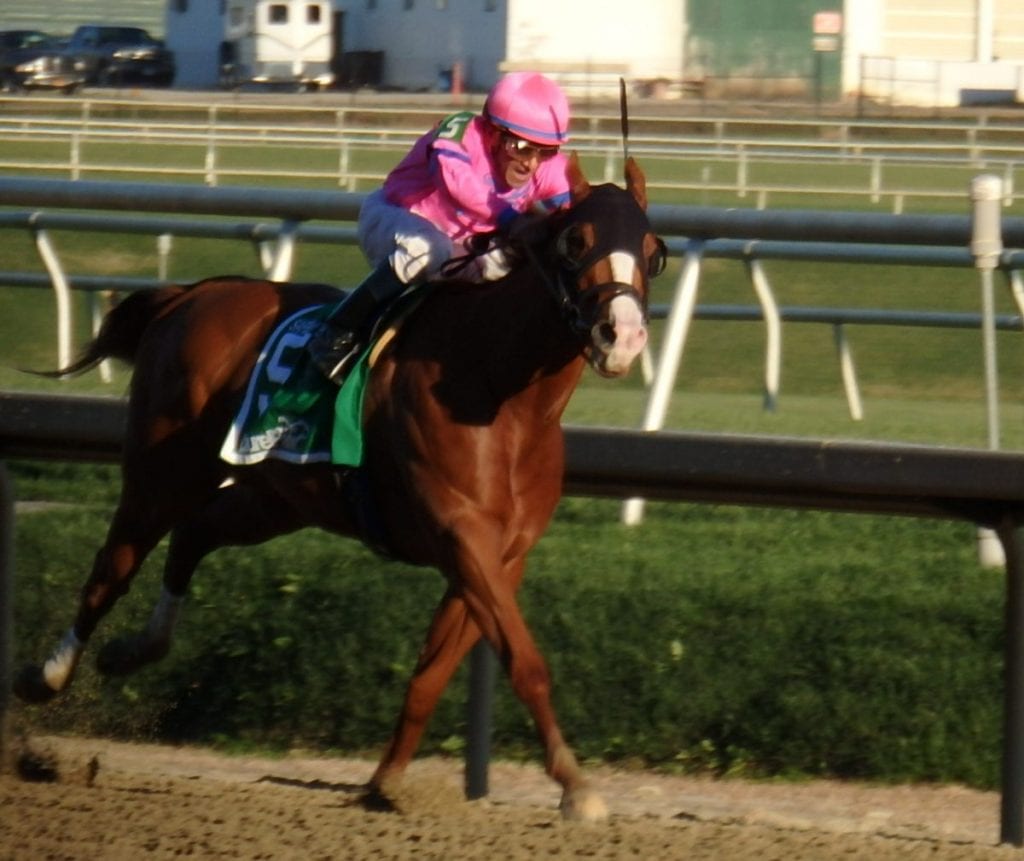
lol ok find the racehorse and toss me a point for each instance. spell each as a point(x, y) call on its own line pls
point(463, 454)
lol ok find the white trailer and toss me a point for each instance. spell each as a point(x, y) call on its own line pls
point(278, 42)
point(240, 42)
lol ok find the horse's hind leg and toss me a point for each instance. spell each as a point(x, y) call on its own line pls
point(130, 538)
point(236, 515)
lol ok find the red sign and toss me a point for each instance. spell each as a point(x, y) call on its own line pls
point(828, 23)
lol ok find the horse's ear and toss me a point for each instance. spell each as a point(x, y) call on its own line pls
point(636, 182)
point(578, 185)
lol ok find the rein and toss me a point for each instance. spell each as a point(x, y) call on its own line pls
point(573, 303)
point(560, 291)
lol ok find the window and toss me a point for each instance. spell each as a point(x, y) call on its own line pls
point(371, 4)
point(313, 13)
point(181, 6)
point(407, 5)
point(490, 5)
point(442, 4)
point(277, 13)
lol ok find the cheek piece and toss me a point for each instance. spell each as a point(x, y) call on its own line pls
point(624, 236)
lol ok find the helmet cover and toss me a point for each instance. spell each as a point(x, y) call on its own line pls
point(530, 106)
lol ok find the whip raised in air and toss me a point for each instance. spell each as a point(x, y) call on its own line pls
point(624, 118)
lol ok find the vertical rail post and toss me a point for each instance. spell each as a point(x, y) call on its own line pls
point(986, 247)
point(482, 672)
point(283, 261)
point(773, 326)
point(61, 291)
point(6, 606)
point(848, 371)
point(1011, 816)
point(676, 328)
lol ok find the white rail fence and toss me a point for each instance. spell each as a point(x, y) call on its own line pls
point(693, 233)
point(334, 147)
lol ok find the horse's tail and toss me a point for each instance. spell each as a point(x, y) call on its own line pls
point(120, 332)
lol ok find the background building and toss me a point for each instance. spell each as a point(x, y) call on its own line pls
point(920, 52)
point(935, 52)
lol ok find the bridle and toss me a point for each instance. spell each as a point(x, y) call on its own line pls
point(622, 230)
point(565, 259)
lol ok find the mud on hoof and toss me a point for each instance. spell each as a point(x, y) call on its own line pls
point(124, 655)
point(30, 686)
point(583, 805)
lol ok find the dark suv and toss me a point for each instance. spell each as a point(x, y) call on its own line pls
point(111, 55)
point(31, 60)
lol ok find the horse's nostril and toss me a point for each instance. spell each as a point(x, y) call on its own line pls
point(604, 333)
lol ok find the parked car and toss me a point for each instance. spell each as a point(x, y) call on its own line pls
point(114, 55)
point(30, 59)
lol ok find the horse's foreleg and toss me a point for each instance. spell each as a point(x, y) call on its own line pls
point(452, 634)
point(492, 603)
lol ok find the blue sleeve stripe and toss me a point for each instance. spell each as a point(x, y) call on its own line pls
point(556, 202)
point(452, 153)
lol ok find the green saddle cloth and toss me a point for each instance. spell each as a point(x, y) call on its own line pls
point(291, 411)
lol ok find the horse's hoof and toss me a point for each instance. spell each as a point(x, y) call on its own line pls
point(30, 686)
point(124, 655)
point(583, 805)
point(377, 800)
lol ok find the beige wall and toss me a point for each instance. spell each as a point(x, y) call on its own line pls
point(948, 29)
point(1008, 30)
point(934, 52)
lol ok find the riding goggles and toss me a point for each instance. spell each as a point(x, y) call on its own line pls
point(523, 150)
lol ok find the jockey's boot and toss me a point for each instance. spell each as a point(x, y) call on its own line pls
point(338, 342)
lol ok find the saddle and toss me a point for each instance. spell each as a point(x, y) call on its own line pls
point(291, 411)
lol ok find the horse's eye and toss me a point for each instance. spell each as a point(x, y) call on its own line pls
point(571, 245)
point(656, 262)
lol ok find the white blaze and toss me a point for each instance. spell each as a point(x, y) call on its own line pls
point(630, 333)
point(623, 266)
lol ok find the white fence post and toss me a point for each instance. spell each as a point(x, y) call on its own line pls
point(773, 330)
point(62, 294)
point(676, 328)
point(987, 246)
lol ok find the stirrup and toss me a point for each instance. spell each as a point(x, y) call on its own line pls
point(333, 352)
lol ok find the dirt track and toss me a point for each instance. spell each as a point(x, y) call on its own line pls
point(115, 801)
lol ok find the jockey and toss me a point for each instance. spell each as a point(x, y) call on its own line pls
point(470, 174)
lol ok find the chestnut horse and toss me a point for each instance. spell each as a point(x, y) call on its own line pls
point(463, 453)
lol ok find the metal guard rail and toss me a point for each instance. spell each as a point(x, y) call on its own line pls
point(694, 222)
point(980, 486)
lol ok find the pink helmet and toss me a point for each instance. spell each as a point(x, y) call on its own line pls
point(530, 106)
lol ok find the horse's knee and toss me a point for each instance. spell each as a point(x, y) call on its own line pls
point(109, 580)
point(420, 700)
point(531, 680)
